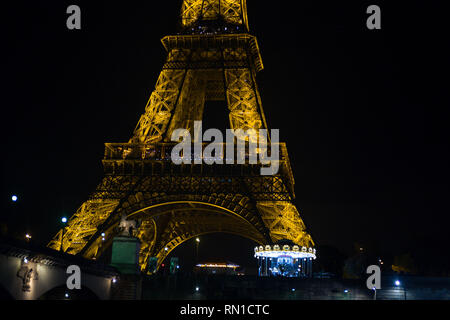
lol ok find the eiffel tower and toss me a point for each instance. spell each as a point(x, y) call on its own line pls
point(213, 58)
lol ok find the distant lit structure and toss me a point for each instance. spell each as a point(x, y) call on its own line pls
point(217, 268)
point(285, 259)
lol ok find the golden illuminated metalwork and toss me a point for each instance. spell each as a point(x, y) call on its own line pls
point(231, 11)
point(212, 58)
point(201, 68)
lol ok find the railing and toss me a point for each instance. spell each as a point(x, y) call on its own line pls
point(162, 152)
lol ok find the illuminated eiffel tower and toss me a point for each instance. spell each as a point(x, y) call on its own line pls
point(213, 58)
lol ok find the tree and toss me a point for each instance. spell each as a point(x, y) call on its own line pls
point(404, 264)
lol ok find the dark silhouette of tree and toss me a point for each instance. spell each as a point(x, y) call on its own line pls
point(329, 259)
point(404, 264)
point(364, 255)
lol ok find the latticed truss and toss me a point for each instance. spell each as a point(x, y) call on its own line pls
point(173, 203)
point(284, 222)
point(242, 100)
point(83, 225)
point(231, 11)
point(223, 68)
point(153, 123)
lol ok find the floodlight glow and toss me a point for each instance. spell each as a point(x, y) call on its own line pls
point(63, 219)
point(217, 265)
point(14, 198)
point(397, 283)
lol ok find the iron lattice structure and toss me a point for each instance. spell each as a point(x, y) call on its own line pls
point(213, 58)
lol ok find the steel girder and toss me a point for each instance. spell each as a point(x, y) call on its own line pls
point(231, 11)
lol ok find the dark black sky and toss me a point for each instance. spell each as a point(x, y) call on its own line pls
point(363, 112)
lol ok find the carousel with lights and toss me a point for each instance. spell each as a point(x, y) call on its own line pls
point(285, 259)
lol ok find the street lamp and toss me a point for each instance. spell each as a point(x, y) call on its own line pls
point(197, 242)
point(14, 198)
point(28, 237)
point(398, 284)
point(64, 221)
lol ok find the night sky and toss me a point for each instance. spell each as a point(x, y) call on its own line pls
point(363, 112)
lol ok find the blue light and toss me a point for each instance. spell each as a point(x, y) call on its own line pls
point(397, 283)
point(64, 219)
point(14, 198)
point(346, 291)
